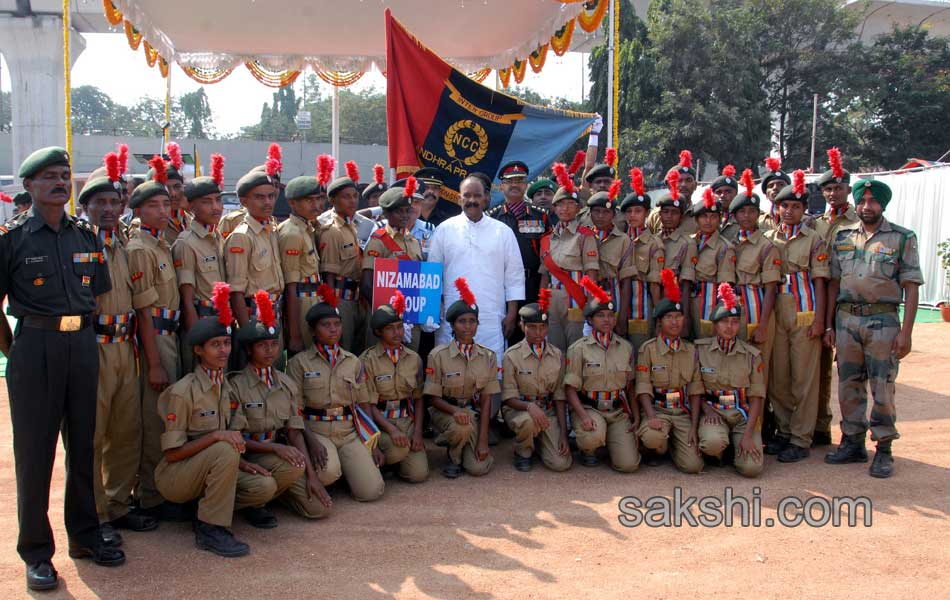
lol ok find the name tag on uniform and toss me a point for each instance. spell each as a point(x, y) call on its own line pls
point(253, 405)
point(593, 365)
point(311, 374)
point(208, 413)
point(208, 259)
point(525, 372)
point(659, 367)
point(707, 370)
point(32, 260)
point(383, 377)
point(348, 245)
point(455, 374)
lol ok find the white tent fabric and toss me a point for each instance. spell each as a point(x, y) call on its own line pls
point(343, 36)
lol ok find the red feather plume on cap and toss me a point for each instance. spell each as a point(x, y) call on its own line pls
point(111, 161)
point(673, 182)
point(595, 290)
point(273, 165)
point(158, 164)
point(174, 155)
point(274, 151)
point(747, 182)
point(221, 298)
point(798, 182)
point(671, 289)
point(398, 302)
point(411, 185)
point(834, 161)
point(265, 309)
point(729, 171)
point(709, 200)
point(465, 292)
point(123, 159)
point(614, 189)
point(727, 295)
point(324, 169)
point(579, 157)
point(217, 169)
point(544, 299)
point(610, 157)
point(773, 163)
point(636, 181)
point(686, 159)
point(352, 171)
point(563, 178)
point(379, 174)
point(328, 295)
point(5, 198)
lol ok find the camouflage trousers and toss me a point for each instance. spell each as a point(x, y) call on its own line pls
point(863, 347)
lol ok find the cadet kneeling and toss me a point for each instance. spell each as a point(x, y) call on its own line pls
point(732, 375)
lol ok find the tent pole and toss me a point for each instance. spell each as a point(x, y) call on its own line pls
point(335, 127)
point(610, 74)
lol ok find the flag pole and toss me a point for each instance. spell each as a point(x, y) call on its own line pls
point(335, 126)
point(610, 74)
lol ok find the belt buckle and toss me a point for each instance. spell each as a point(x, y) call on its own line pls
point(728, 399)
point(392, 405)
point(605, 404)
point(334, 412)
point(70, 323)
point(672, 397)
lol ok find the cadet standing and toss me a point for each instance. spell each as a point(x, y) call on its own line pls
point(774, 181)
point(613, 251)
point(647, 256)
point(533, 392)
point(679, 250)
point(874, 267)
point(52, 272)
point(682, 183)
point(178, 218)
point(714, 262)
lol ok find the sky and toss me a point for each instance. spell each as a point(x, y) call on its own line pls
point(236, 101)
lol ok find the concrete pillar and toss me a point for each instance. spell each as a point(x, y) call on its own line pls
point(33, 48)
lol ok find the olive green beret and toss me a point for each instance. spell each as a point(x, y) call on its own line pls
point(829, 177)
point(394, 198)
point(563, 194)
point(254, 331)
point(540, 184)
point(321, 311)
point(170, 170)
point(632, 199)
point(880, 190)
point(22, 198)
point(52, 156)
point(339, 184)
point(594, 306)
point(600, 170)
point(206, 329)
point(146, 191)
point(459, 308)
point(383, 316)
point(788, 193)
point(720, 312)
point(251, 180)
point(420, 186)
point(532, 313)
point(99, 184)
point(372, 189)
point(303, 186)
point(201, 186)
point(742, 199)
point(666, 306)
point(601, 199)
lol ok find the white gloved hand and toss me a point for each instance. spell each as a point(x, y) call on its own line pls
point(430, 325)
point(598, 125)
point(406, 333)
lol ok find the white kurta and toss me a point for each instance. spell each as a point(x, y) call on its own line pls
point(486, 254)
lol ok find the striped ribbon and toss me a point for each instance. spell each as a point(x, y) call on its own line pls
point(635, 233)
point(88, 257)
point(790, 231)
point(265, 375)
point(215, 375)
point(752, 297)
point(112, 339)
point(264, 436)
point(365, 427)
point(330, 353)
point(107, 236)
point(800, 286)
point(347, 289)
point(706, 292)
point(178, 220)
point(612, 284)
point(115, 319)
point(311, 280)
point(576, 276)
point(674, 344)
point(672, 398)
point(467, 350)
point(165, 313)
point(538, 349)
point(729, 399)
point(837, 211)
point(394, 353)
point(606, 395)
point(744, 236)
point(405, 409)
point(546, 401)
point(701, 240)
point(639, 300)
point(726, 345)
point(602, 339)
point(602, 234)
point(329, 418)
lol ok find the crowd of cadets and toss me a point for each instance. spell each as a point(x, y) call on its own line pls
point(651, 326)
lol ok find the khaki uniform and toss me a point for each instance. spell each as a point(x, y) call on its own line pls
point(229, 221)
point(872, 270)
point(461, 382)
point(154, 287)
point(260, 410)
point(687, 226)
point(393, 388)
point(713, 263)
point(729, 379)
point(300, 264)
point(758, 264)
point(614, 264)
point(341, 256)
point(198, 263)
point(328, 401)
point(647, 259)
point(769, 221)
point(827, 226)
point(575, 252)
point(600, 377)
point(679, 252)
point(528, 378)
point(793, 379)
point(192, 408)
point(669, 378)
point(118, 438)
point(375, 248)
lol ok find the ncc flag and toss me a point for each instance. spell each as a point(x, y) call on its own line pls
point(438, 117)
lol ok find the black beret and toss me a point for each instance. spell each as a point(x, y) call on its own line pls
point(667, 200)
point(666, 306)
point(303, 186)
point(772, 175)
point(420, 185)
point(700, 208)
point(459, 308)
point(788, 193)
point(720, 312)
point(254, 331)
point(339, 184)
point(383, 316)
point(601, 199)
point(632, 199)
point(594, 306)
point(251, 180)
point(532, 313)
point(171, 171)
point(51, 156)
point(724, 181)
point(321, 311)
point(563, 194)
point(742, 199)
point(147, 191)
point(201, 186)
point(206, 329)
point(372, 189)
point(829, 177)
point(99, 184)
point(600, 170)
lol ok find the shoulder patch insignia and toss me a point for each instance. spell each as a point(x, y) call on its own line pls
point(236, 250)
point(777, 262)
point(660, 259)
point(430, 371)
point(591, 253)
point(373, 253)
point(179, 263)
point(643, 368)
point(293, 253)
point(695, 260)
point(821, 257)
point(171, 417)
point(137, 276)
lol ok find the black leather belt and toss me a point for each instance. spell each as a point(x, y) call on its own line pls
point(62, 323)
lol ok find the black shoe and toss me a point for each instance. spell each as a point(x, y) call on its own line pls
point(101, 555)
point(883, 465)
point(41, 577)
point(450, 470)
point(522, 463)
point(260, 517)
point(850, 450)
point(793, 453)
point(820, 438)
point(135, 521)
point(218, 540)
point(589, 460)
point(109, 537)
point(777, 444)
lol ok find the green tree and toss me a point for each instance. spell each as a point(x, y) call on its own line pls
point(197, 112)
point(93, 111)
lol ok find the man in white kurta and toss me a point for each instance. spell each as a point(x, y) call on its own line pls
point(485, 252)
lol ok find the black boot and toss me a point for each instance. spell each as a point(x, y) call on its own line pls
point(108, 536)
point(883, 465)
point(41, 576)
point(850, 450)
point(100, 554)
point(778, 443)
point(218, 540)
point(260, 517)
point(792, 453)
